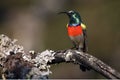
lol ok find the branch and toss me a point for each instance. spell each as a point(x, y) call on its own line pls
point(87, 60)
point(20, 65)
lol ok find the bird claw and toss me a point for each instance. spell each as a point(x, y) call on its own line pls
point(79, 49)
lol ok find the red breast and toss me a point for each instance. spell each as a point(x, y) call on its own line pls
point(74, 30)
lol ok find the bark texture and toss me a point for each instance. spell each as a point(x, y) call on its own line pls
point(17, 64)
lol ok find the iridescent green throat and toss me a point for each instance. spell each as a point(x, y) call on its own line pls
point(75, 19)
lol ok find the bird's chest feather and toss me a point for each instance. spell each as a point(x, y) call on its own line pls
point(74, 30)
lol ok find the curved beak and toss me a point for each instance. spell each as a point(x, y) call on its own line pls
point(63, 12)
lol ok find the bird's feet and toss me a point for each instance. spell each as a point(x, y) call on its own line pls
point(76, 48)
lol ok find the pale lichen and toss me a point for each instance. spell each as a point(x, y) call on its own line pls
point(41, 68)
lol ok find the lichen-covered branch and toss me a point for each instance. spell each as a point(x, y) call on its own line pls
point(18, 64)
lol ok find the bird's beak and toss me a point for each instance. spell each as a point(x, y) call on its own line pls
point(63, 12)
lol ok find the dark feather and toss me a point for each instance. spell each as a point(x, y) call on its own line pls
point(85, 47)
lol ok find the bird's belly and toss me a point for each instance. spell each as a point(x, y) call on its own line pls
point(77, 39)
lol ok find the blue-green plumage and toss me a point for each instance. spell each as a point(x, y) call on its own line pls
point(74, 18)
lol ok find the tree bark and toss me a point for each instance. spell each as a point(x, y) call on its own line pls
point(87, 60)
point(16, 64)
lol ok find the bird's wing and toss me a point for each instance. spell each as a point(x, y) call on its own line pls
point(85, 46)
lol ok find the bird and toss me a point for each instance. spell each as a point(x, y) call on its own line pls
point(76, 30)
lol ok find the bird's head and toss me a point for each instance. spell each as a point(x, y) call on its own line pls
point(74, 17)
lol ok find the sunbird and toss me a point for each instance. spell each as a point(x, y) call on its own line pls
point(76, 30)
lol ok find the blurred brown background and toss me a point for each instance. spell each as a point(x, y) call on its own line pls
point(37, 26)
